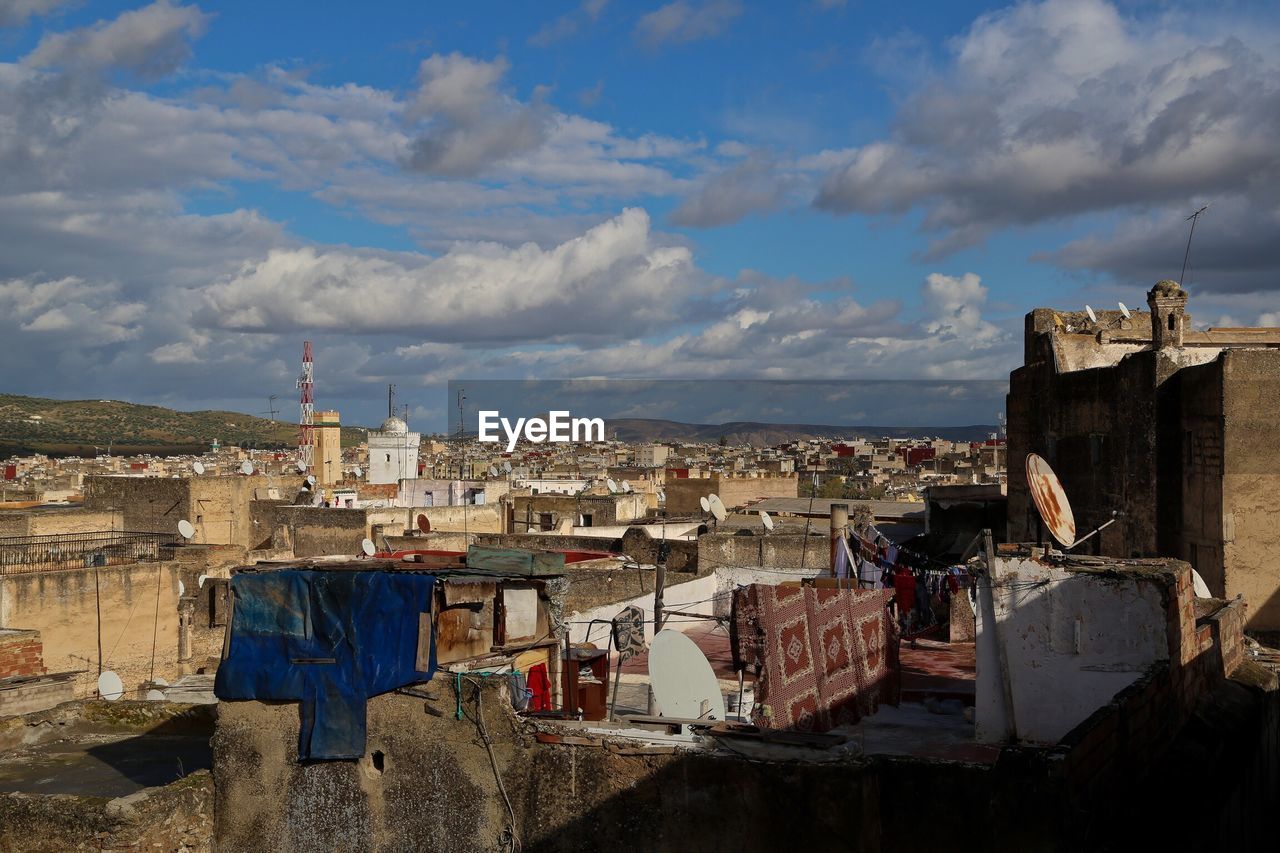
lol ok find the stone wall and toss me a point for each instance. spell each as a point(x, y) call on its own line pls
point(43, 522)
point(21, 653)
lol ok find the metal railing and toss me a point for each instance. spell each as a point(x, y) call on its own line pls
point(61, 551)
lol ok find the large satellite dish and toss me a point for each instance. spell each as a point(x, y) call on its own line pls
point(198, 467)
point(684, 684)
point(246, 467)
point(185, 529)
point(367, 546)
point(766, 520)
point(717, 507)
point(1051, 500)
point(704, 503)
point(424, 523)
point(110, 687)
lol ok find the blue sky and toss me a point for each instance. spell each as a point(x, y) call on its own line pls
point(684, 190)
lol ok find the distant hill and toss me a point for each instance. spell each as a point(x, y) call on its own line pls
point(764, 435)
point(76, 427)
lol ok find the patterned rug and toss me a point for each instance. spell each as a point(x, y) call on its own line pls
point(825, 657)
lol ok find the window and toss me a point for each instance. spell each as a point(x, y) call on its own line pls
point(1172, 319)
point(544, 520)
point(586, 519)
point(388, 457)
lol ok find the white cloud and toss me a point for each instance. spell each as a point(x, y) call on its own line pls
point(686, 20)
point(17, 12)
point(151, 42)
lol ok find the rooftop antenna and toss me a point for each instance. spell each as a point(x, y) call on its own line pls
point(462, 399)
point(391, 406)
point(1192, 219)
point(306, 422)
point(272, 411)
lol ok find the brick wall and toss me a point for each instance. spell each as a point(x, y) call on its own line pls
point(21, 654)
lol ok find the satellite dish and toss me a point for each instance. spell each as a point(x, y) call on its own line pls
point(493, 472)
point(186, 529)
point(626, 486)
point(301, 466)
point(704, 503)
point(766, 520)
point(357, 471)
point(717, 507)
point(684, 684)
point(1093, 318)
point(311, 479)
point(155, 696)
point(1051, 500)
point(110, 687)
point(201, 580)
point(424, 523)
point(506, 466)
point(366, 545)
point(198, 467)
point(182, 589)
point(1124, 309)
point(160, 681)
point(662, 496)
point(246, 467)
point(613, 487)
point(1201, 588)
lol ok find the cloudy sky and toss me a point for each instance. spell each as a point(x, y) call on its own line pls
point(696, 189)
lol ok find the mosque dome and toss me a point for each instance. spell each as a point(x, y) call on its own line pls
point(394, 426)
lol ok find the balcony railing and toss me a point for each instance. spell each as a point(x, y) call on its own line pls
point(61, 551)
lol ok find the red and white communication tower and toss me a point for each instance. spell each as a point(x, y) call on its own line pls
point(306, 426)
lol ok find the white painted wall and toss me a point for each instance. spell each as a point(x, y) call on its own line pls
point(1072, 641)
point(692, 594)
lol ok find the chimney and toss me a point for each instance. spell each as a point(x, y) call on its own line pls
point(1168, 302)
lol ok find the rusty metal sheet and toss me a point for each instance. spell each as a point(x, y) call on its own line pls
point(1051, 500)
point(465, 631)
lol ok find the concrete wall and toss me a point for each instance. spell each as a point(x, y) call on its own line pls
point(44, 522)
point(63, 607)
point(774, 551)
point(485, 518)
point(683, 494)
point(1249, 534)
point(1071, 641)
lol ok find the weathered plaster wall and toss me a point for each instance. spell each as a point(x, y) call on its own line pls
point(63, 607)
point(1071, 642)
point(43, 522)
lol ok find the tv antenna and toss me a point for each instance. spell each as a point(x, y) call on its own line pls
point(1187, 254)
point(272, 411)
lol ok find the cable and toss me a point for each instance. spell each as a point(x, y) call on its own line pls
point(510, 839)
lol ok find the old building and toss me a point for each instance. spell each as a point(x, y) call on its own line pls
point(328, 456)
point(393, 452)
point(1174, 430)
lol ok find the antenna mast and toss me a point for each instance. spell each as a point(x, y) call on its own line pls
point(306, 424)
point(1192, 219)
point(391, 392)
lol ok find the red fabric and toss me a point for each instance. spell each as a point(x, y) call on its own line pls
point(540, 684)
point(904, 585)
point(826, 657)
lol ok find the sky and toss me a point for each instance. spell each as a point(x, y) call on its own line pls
point(699, 189)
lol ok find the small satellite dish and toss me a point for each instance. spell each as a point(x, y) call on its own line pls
point(358, 472)
point(311, 479)
point(613, 487)
point(1051, 500)
point(1093, 318)
point(182, 589)
point(493, 472)
point(110, 687)
point(1201, 588)
point(684, 684)
point(201, 580)
point(198, 467)
point(1124, 309)
point(766, 520)
point(506, 466)
point(424, 523)
point(662, 496)
point(155, 696)
point(717, 507)
point(186, 529)
point(246, 467)
point(366, 545)
point(306, 487)
point(704, 503)
point(302, 466)
point(626, 486)
point(160, 681)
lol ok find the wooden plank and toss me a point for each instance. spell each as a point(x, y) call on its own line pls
point(422, 661)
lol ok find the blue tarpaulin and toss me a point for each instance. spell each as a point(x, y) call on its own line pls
point(328, 640)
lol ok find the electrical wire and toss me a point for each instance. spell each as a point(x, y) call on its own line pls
point(510, 839)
